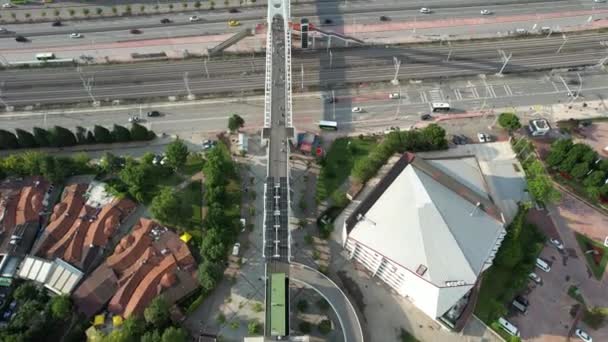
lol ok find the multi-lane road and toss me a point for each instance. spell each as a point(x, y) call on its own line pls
point(319, 69)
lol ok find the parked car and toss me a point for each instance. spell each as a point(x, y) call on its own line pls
point(194, 18)
point(481, 137)
point(135, 31)
point(535, 278)
point(384, 18)
point(56, 23)
point(21, 39)
point(165, 21)
point(208, 144)
point(426, 117)
point(394, 96)
point(583, 335)
point(233, 10)
point(75, 35)
point(153, 113)
point(486, 12)
point(558, 244)
point(328, 21)
point(425, 10)
point(236, 248)
point(7, 5)
point(134, 118)
point(157, 159)
point(3, 30)
point(234, 23)
point(243, 224)
point(357, 109)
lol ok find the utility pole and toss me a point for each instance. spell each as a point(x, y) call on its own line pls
point(329, 43)
point(564, 43)
point(398, 105)
point(205, 65)
point(505, 59)
point(333, 97)
point(302, 76)
point(187, 84)
point(331, 59)
point(397, 64)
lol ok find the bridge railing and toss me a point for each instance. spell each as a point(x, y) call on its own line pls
point(268, 79)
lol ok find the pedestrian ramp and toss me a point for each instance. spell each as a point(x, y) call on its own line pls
point(338, 35)
point(237, 37)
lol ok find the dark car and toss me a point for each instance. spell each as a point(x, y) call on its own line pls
point(233, 10)
point(426, 117)
point(522, 300)
point(56, 23)
point(135, 31)
point(153, 113)
point(384, 18)
point(165, 21)
point(21, 39)
point(328, 21)
point(460, 139)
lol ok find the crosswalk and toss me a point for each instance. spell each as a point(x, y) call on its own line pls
point(468, 92)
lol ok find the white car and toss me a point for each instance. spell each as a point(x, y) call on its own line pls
point(425, 10)
point(558, 244)
point(8, 5)
point(583, 335)
point(482, 137)
point(134, 118)
point(535, 277)
point(394, 96)
point(486, 12)
point(599, 1)
point(195, 18)
point(243, 224)
point(357, 110)
point(75, 35)
point(3, 30)
point(235, 249)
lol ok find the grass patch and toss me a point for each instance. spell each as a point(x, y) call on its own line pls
point(595, 318)
point(586, 244)
point(192, 202)
point(509, 274)
point(405, 336)
point(505, 335)
point(575, 294)
point(339, 161)
point(194, 164)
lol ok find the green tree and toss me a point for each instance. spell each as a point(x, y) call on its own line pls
point(109, 163)
point(177, 154)
point(434, 136)
point(509, 121)
point(596, 178)
point(53, 170)
point(25, 138)
point(8, 140)
point(173, 334)
point(90, 138)
point(140, 133)
point(71, 12)
point(32, 162)
point(305, 327)
point(61, 137)
point(61, 307)
point(157, 313)
point(132, 328)
point(86, 12)
point(142, 9)
point(134, 177)
point(197, 4)
point(102, 135)
point(165, 206)
point(541, 188)
point(28, 311)
point(579, 171)
point(114, 10)
point(324, 327)
point(558, 152)
point(209, 274)
point(81, 135)
point(302, 305)
point(99, 10)
point(253, 328)
point(212, 246)
point(120, 133)
point(56, 12)
point(235, 122)
point(26, 291)
point(151, 336)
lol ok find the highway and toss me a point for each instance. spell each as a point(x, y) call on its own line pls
point(240, 75)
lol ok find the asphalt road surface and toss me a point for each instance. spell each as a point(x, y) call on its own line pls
point(19, 87)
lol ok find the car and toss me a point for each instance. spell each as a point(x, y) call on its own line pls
point(243, 224)
point(481, 137)
point(558, 244)
point(522, 300)
point(583, 335)
point(21, 39)
point(12, 305)
point(535, 278)
point(394, 96)
point(134, 118)
point(236, 248)
point(165, 21)
point(486, 12)
point(233, 10)
point(135, 31)
point(208, 144)
point(157, 159)
point(521, 31)
point(573, 93)
point(194, 18)
point(7, 5)
point(153, 113)
point(234, 23)
point(545, 29)
point(357, 110)
point(384, 18)
point(7, 314)
point(426, 117)
point(56, 23)
point(328, 21)
point(75, 35)
point(3, 30)
point(425, 10)
point(599, 1)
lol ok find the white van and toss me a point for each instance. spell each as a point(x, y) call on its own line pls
point(508, 327)
point(543, 265)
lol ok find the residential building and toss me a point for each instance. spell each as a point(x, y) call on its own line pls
point(151, 261)
point(428, 229)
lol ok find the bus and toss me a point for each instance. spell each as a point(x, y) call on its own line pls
point(440, 106)
point(328, 125)
point(45, 56)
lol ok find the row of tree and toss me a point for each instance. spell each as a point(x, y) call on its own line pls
point(53, 168)
point(580, 162)
point(223, 198)
point(60, 137)
point(429, 138)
